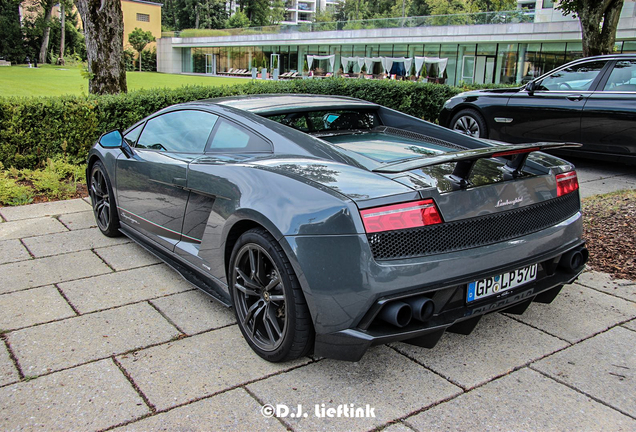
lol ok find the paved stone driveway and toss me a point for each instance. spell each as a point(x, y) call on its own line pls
point(97, 334)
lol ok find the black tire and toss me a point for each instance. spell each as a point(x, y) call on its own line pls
point(269, 304)
point(469, 122)
point(103, 201)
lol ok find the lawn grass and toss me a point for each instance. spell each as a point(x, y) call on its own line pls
point(49, 80)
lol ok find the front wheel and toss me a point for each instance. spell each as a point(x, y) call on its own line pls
point(269, 304)
point(103, 202)
point(470, 122)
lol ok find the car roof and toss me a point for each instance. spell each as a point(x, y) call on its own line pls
point(606, 57)
point(272, 103)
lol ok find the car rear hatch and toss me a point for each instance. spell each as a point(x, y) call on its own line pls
point(480, 196)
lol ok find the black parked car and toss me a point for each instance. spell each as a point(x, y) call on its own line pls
point(332, 224)
point(590, 101)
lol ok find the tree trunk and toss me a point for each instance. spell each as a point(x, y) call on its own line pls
point(60, 60)
point(599, 39)
point(139, 61)
point(47, 31)
point(104, 33)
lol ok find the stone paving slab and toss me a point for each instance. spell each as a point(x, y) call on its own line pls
point(73, 341)
point(30, 227)
point(126, 256)
point(30, 307)
point(120, 288)
point(13, 251)
point(195, 311)
point(77, 221)
point(603, 367)
point(390, 383)
point(603, 282)
point(90, 397)
point(497, 346)
point(397, 427)
point(70, 241)
point(45, 271)
point(44, 209)
point(606, 186)
point(198, 366)
point(235, 410)
point(523, 401)
point(8, 372)
point(568, 316)
point(631, 325)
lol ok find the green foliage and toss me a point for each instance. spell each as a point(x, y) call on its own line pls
point(238, 20)
point(11, 42)
point(57, 180)
point(138, 39)
point(35, 130)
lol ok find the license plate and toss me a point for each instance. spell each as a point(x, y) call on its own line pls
point(496, 284)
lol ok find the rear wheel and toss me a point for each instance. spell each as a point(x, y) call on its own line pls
point(103, 202)
point(269, 304)
point(470, 122)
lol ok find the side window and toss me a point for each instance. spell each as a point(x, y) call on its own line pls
point(573, 78)
point(230, 137)
point(184, 131)
point(623, 77)
point(132, 136)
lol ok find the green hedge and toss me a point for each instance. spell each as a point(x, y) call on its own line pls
point(35, 129)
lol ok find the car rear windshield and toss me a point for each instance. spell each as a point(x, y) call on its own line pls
point(319, 122)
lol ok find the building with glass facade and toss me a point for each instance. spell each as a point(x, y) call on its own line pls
point(501, 47)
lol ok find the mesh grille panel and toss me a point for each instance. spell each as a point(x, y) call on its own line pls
point(470, 233)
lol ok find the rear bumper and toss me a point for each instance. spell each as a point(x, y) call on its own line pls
point(351, 344)
point(345, 288)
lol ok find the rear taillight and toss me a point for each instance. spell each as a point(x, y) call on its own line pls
point(566, 183)
point(401, 216)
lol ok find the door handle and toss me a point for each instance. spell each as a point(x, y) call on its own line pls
point(574, 98)
point(179, 182)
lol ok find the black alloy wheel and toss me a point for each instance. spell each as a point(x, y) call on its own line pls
point(268, 301)
point(104, 208)
point(469, 122)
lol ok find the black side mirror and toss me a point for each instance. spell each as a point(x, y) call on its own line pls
point(531, 87)
point(112, 139)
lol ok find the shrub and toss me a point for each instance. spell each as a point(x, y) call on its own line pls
point(36, 129)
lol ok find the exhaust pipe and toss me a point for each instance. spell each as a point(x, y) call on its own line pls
point(397, 313)
point(573, 260)
point(422, 307)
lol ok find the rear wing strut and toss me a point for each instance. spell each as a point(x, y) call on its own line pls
point(466, 159)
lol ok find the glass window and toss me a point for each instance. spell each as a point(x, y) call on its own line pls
point(143, 17)
point(230, 137)
point(132, 136)
point(332, 120)
point(185, 131)
point(579, 77)
point(623, 77)
point(629, 46)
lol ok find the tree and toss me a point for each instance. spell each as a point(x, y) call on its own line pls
point(104, 32)
point(599, 20)
point(258, 11)
point(47, 5)
point(139, 39)
point(238, 20)
point(276, 12)
point(12, 42)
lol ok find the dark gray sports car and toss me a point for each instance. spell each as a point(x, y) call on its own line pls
point(332, 224)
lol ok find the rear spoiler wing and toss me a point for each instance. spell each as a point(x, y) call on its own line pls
point(466, 159)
